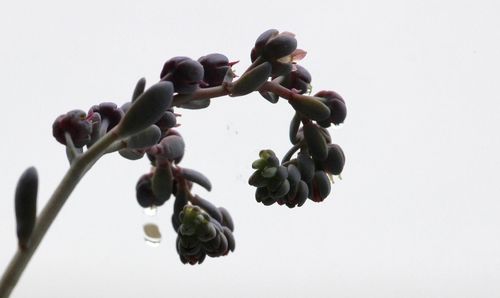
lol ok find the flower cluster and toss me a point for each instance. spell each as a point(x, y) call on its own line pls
point(147, 126)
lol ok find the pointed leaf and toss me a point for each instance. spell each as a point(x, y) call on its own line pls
point(310, 107)
point(197, 177)
point(252, 80)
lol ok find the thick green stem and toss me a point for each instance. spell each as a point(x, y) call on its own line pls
point(76, 171)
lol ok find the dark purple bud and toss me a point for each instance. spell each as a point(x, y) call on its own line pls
point(108, 111)
point(215, 67)
point(261, 42)
point(185, 73)
point(299, 79)
point(76, 124)
point(336, 104)
point(144, 192)
point(279, 46)
point(334, 163)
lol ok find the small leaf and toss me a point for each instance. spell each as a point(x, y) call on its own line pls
point(147, 109)
point(197, 177)
point(252, 80)
point(25, 205)
point(139, 88)
point(310, 107)
point(315, 141)
point(294, 128)
point(131, 154)
point(269, 96)
point(162, 183)
point(146, 138)
point(196, 104)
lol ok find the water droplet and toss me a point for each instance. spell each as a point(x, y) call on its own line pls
point(151, 211)
point(152, 234)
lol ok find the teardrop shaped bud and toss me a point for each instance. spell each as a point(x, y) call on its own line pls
point(315, 141)
point(335, 161)
point(162, 183)
point(302, 193)
point(171, 147)
point(321, 186)
point(306, 166)
point(146, 138)
point(147, 109)
point(139, 88)
point(25, 205)
point(252, 80)
point(144, 192)
point(310, 107)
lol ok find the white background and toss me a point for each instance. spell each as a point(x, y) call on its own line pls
point(416, 214)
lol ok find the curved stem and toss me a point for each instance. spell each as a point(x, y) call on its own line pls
point(77, 170)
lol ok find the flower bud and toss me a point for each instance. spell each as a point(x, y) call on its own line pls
point(336, 104)
point(215, 67)
point(184, 72)
point(76, 124)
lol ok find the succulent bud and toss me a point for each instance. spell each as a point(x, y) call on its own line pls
point(215, 67)
point(299, 79)
point(334, 163)
point(76, 124)
point(184, 72)
point(108, 111)
point(336, 104)
point(162, 183)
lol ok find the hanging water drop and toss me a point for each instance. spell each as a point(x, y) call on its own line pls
point(152, 235)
